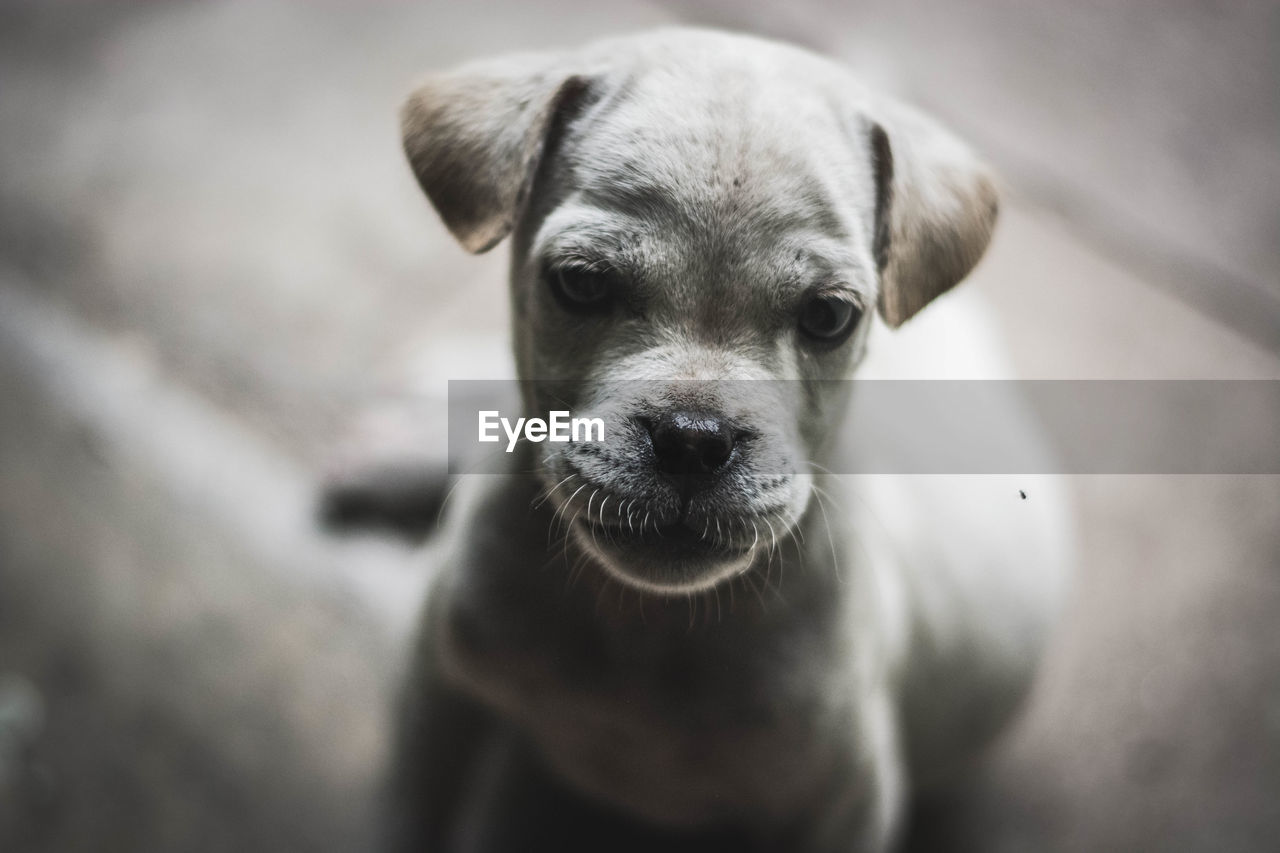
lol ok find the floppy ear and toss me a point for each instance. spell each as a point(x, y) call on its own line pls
point(936, 206)
point(474, 137)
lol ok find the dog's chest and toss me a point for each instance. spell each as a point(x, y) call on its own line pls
point(685, 727)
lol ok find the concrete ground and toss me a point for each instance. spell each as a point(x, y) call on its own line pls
point(213, 263)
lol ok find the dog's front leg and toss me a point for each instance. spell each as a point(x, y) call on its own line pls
point(866, 802)
point(440, 738)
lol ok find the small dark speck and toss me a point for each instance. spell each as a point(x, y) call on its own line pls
point(1024, 494)
point(737, 182)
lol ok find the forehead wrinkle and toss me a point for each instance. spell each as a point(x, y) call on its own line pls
point(720, 228)
point(730, 193)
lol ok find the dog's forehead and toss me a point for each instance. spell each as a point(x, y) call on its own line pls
point(725, 134)
point(734, 160)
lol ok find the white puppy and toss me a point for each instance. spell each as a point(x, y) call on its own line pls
point(729, 647)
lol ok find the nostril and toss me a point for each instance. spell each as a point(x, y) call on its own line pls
point(715, 448)
point(691, 443)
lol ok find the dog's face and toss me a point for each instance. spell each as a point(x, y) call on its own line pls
point(704, 226)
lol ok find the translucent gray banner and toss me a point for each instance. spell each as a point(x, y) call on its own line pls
point(894, 427)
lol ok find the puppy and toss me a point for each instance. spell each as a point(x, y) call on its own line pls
point(728, 648)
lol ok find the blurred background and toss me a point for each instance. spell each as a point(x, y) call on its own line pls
point(218, 280)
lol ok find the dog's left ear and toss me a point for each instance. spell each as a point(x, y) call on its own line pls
point(936, 206)
point(474, 137)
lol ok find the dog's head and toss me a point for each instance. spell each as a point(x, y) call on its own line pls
point(692, 213)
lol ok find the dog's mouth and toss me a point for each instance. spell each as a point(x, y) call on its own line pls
point(709, 538)
point(666, 541)
point(693, 553)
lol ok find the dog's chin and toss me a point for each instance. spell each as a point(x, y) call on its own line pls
point(671, 561)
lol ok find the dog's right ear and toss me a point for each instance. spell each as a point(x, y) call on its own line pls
point(474, 137)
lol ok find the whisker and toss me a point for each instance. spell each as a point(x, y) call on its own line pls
point(551, 491)
point(445, 503)
point(835, 560)
point(751, 582)
point(773, 538)
point(594, 492)
point(560, 512)
point(575, 573)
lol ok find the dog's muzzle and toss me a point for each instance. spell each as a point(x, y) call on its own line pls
point(692, 522)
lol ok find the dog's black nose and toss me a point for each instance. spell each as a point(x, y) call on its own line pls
point(690, 443)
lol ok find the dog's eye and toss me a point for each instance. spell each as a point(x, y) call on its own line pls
point(828, 319)
point(581, 290)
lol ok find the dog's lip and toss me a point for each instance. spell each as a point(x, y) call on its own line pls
point(677, 536)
